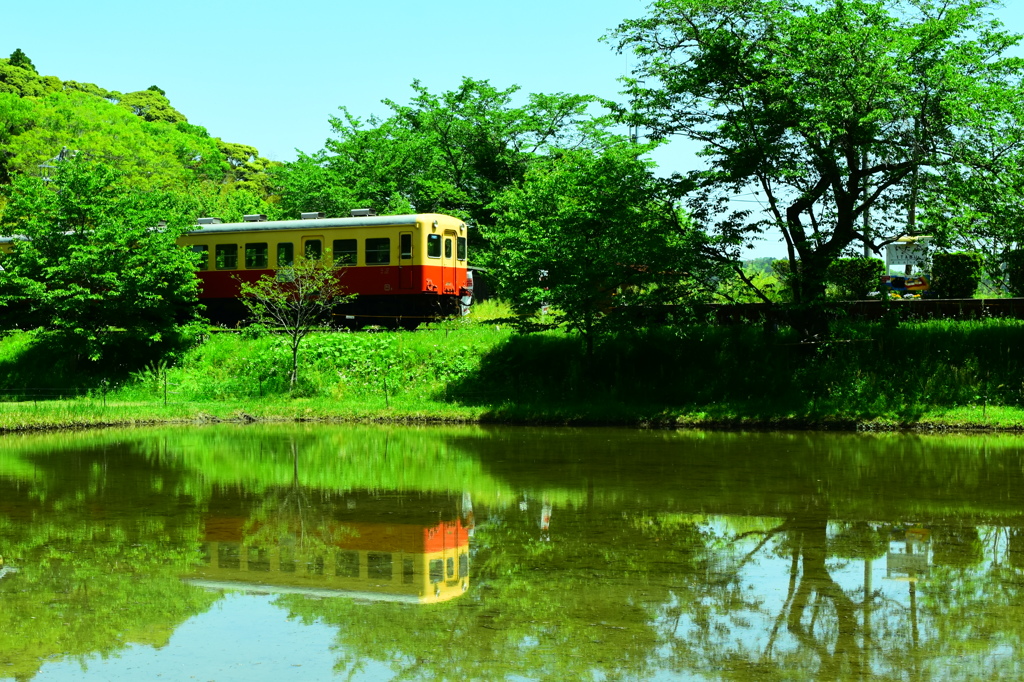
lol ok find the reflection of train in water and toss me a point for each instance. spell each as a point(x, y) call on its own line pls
point(404, 559)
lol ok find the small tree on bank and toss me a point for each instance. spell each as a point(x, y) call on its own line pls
point(296, 299)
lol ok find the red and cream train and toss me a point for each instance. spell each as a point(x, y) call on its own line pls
point(405, 269)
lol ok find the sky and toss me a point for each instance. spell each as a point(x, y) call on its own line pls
point(271, 74)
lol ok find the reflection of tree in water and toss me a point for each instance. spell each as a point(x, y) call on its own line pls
point(297, 521)
point(99, 543)
point(568, 602)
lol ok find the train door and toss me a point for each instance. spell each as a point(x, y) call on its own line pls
point(405, 276)
point(448, 273)
point(313, 247)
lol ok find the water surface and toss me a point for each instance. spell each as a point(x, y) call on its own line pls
point(355, 552)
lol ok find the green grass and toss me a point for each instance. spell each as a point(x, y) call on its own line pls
point(936, 374)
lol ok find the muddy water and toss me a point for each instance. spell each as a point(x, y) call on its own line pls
point(373, 553)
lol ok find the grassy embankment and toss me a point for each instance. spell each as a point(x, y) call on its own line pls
point(942, 374)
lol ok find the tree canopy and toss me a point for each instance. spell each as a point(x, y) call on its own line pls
point(833, 114)
point(452, 152)
point(139, 134)
point(590, 231)
point(89, 263)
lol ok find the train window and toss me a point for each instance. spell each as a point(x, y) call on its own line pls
point(285, 254)
point(436, 570)
point(229, 555)
point(226, 256)
point(434, 245)
point(461, 248)
point(405, 246)
point(257, 255)
point(451, 568)
point(314, 249)
point(447, 248)
point(346, 564)
point(463, 565)
point(259, 559)
point(345, 251)
point(378, 251)
point(203, 255)
point(286, 560)
point(378, 566)
point(407, 570)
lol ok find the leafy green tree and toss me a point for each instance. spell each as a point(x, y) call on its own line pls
point(24, 82)
point(152, 155)
point(92, 268)
point(836, 113)
point(151, 105)
point(296, 299)
point(452, 152)
point(586, 232)
point(21, 60)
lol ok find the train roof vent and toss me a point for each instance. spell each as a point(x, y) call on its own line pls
point(209, 221)
point(362, 212)
point(313, 215)
point(255, 218)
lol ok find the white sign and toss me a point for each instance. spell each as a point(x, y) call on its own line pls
point(906, 254)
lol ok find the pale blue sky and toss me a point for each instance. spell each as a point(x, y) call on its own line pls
point(270, 74)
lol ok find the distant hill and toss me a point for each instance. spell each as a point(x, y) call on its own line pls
point(139, 133)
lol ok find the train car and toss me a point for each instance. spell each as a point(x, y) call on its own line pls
point(406, 269)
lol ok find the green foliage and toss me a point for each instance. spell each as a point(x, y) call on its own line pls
point(896, 97)
point(449, 153)
point(956, 275)
point(586, 232)
point(152, 155)
point(92, 268)
point(1015, 271)
point(761, 283)
point(21, 60)
point(138, 133)
point(151, 105)
point(853, 278)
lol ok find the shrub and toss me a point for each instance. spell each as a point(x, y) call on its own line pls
point(956, 275)
point(855, 277)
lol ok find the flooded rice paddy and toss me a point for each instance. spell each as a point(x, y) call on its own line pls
point(293, 552)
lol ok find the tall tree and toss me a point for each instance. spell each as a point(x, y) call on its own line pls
point(587, 232)
point(831, 112)
point(21, 60)
point(90, 265)
point(452, 152)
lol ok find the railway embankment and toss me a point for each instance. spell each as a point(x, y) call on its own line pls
point(924, 375)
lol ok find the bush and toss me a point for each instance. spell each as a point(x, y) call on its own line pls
point(956, 275)
point(1015, 272)
point(855, 277)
